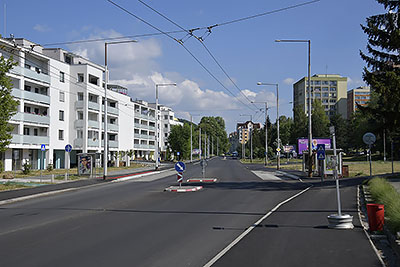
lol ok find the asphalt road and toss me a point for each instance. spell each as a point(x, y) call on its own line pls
point(136, 223)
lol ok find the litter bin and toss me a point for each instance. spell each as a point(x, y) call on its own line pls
point(376, 216)
point(345, 171)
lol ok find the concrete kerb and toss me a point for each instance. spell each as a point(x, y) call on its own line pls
point(201, 180)
point(183, 189)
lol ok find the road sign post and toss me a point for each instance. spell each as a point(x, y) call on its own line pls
point(321, 156)
point(180, 178)
point(203, 164)
point(42, 148)
point(68, 149)
point(339, 220)
point(369, 139)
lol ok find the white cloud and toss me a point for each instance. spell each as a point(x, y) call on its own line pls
point(355, 82)
point(288, 81)
point(41, 28)
point(134, 65)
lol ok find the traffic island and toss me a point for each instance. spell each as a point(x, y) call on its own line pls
point(202, 180)
point(183, 189)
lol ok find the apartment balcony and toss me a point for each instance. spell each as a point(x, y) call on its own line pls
point(78, 104)
point(18, 93)
point(78, 143)
point(30, 139)
point(41, 77)
point(142, 136)
point(151, 128)
point(93, 124)
point(78, 124)
point(112, 127)
point(112, 110)
point(140, 146)
point(111, 143)
point(93, 142)
point(31, 118)
point(93, 105)
point(152, 137)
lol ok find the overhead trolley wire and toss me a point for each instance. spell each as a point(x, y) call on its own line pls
point(187, 50)
point(200, 39)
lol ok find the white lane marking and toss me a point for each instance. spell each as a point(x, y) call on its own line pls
point(234, 242)
point(288, 175)
point(267, 175)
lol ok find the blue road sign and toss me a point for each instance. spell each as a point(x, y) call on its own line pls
point(178, 153)
point(321, 151)
point(180, 166)
point(68, 148)
point(43, 147)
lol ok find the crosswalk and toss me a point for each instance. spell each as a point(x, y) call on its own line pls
point(275, 175)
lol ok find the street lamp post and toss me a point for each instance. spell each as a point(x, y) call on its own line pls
point(251, 139)
point(278, 159)
point(266, 130)
point(191, 137)
point(105, 155)
point(309, 101)
point(156, 152)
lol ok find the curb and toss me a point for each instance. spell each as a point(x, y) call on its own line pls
point(207, 180)
point(183, 189)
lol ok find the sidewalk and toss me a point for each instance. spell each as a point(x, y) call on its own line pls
point(69, 184)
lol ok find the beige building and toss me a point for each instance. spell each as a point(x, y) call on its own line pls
point(331, 89)
point(360, 95)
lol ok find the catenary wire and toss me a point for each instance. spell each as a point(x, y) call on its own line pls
point(187, 50)
point(201, 41)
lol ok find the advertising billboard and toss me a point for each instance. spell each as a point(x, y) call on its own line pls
point(302, 144)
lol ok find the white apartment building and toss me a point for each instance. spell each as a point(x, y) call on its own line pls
point(166, 118)
point(144, 130)
point(61, 101)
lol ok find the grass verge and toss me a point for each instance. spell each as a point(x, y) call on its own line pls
point(11, 186)
point(384, 193)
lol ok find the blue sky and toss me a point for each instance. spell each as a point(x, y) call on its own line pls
point(246, 50)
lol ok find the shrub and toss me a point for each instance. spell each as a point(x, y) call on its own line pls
point(384, 193)
point(26, 168)
point(49, 167)
point(1, 166)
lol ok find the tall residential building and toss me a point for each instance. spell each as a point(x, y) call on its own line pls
point(331, 89)
point(360, 95)
point(61, 101)
point(243, 130)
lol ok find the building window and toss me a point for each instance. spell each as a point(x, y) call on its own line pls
point(79, 134)
point(62, 76)
point(165, 117)
point(81, 78)
point(61, 115)
point(166, 135)
point(60, 134)
point(165, 125)
point(80, 115)
point(325, 89)
point(62, 96)
point(26, 131)
point(333, 89)
point(80, 96)
point(332, 83)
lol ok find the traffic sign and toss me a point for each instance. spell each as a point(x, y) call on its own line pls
point(180, 166)
point(179, 177)
point(278, 149)
point(68, 148)
point(43, 147)
point(321, 151)
point(369, 138)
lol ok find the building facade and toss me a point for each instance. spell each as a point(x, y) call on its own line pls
point(330, 89)
point(61, 101)
point(360, 95)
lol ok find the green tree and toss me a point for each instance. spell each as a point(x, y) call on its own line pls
point(320, 121)
point(179, 140)
point(382, 72)
point(300, 124)
point(8, 106)
point(341, 131)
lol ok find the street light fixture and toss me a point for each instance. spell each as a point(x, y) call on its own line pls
point(309, 100)
point(266, 130)
point(105, 155)
point(156, 152)
point(251, 139)
point(278, 160)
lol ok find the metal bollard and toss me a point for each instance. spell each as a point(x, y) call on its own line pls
point(52, 178)
point(65, 177)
